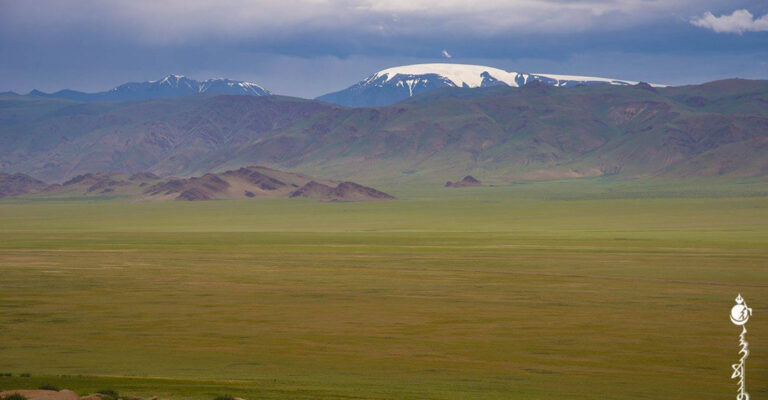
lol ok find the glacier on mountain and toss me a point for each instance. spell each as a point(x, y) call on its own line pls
point(392, 85)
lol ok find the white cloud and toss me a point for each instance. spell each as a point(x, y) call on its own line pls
point(739, 21)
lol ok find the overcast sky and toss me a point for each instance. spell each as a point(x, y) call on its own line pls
point(309, 47)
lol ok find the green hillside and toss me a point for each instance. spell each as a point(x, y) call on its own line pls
point(576, 289)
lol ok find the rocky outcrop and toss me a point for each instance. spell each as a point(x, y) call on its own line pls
point(255, 176)
point(206, 187)
point(243, 183)
point(345, 191)
point(313, 189)
point(468, 181)
point(102, 183)
point(254, 182)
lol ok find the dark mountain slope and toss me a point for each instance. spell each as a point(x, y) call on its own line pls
point(731, 96)
point(497, 134)
point(167, 136)
point(534, 133)
point(167, 87)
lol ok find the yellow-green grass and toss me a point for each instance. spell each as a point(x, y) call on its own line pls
point(550, 291)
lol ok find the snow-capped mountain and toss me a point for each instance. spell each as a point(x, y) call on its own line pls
point(392, 85)
point(169, 86)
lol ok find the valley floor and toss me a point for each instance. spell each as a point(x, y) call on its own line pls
point(561, 290)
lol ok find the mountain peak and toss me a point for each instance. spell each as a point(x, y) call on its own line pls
point(460, 75)
point(170, 78)
point(395, 84)
point(169, 86)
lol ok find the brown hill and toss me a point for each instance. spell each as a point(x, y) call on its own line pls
point(12, 185)
point(254, 181)
point(344, 191)
point(242, 183)
point(467, 181)
point(101, 183)
point(246, 182)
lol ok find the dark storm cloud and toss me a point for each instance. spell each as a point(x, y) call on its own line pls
point(308, 47)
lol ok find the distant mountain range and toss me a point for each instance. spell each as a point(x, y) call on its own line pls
point(393, 85)
point(497, 134)
point(170, 86)
point(386, 87)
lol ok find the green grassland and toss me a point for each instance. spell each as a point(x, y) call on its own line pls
point(563, 290)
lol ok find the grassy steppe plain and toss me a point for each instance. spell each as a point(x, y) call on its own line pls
point(564, 290)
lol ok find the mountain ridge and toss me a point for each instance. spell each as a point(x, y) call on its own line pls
point(167, 87)
point(392, 85)
point(497, 134)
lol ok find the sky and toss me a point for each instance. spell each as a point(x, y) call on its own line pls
point(307, 48)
